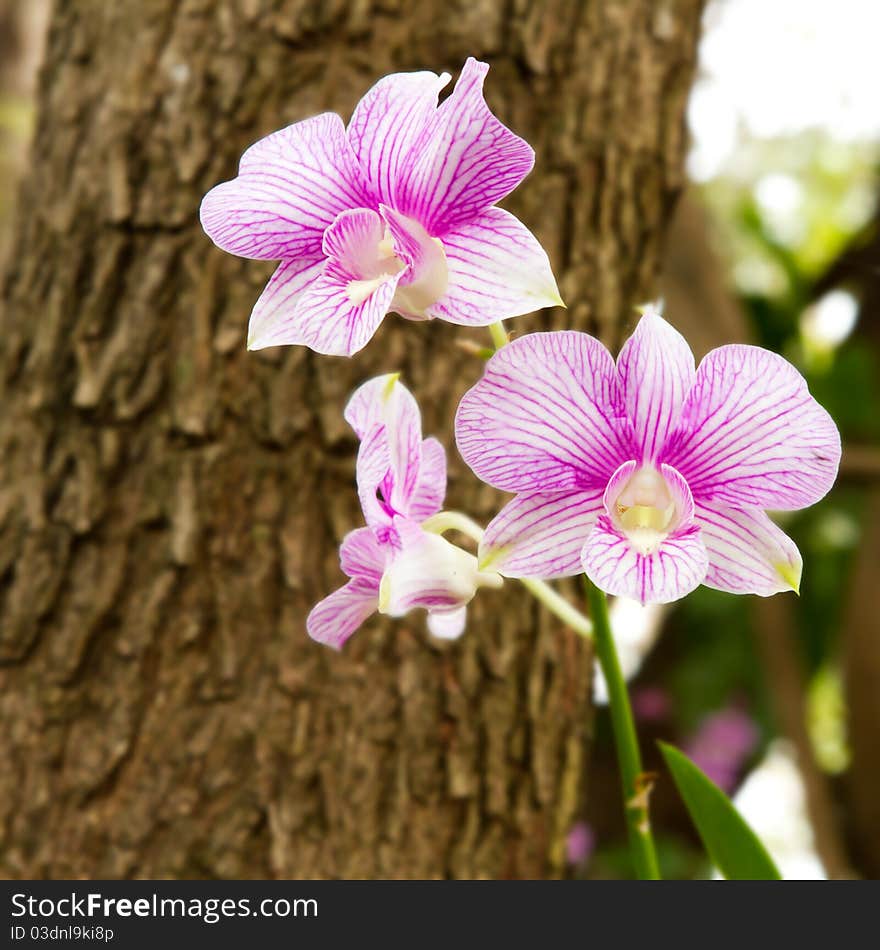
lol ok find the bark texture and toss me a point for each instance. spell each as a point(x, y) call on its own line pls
point(170, 505)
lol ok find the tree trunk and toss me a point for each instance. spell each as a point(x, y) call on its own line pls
point(171, 505)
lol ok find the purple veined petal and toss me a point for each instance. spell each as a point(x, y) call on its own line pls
point(386, 402)
point(429, 572)
point(426, 277)
point(656, 369)
point(681, 494)
point(676, 568)
point(338, 314)
point(465, 160)
point(290, 186)
point(748, 553)
point(430, 489)
point(497, 269)
point(545, 416)
point(752, 436)
point(369, 403)
point(386, 124)
point(616, 484)
point(334, 619)
point(353, 241)
point(361, 556)
point(540, 535)
point(273, 319)
point(373, 463)
point(447, 624)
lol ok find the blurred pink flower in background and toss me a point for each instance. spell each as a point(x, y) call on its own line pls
point(651, 703)
point(580, 843)
point(722, 745)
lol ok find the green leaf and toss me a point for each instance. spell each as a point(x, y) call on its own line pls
point(732, 845)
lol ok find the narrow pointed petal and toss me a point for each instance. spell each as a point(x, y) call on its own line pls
point(540, 535)
point(497, 269)
point(384, 402)
point(430, 489)
point(372, 466)
point(748, 553)
point(290, 186)
point(545, 416)
point(371, 403)
point(273, 319)
point(334, 619)
point(676, 568)
point(656, 369)
point(337, 317)
point(751, 435)
point(361, 556)
point(387, 123)
point(447, 624)
point(465, 160)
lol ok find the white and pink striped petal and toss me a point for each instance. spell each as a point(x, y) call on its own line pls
point(427, 496)
point(748, 553)
point(361, 556)
point(388, 122)
point(464, 161)
point(496, 269)
point(338, 314)
point(546, 416)
point(656, 369)
point(274, 317)
point(290, 186)
point(673, 570)
point(334, 619)
point(751, 435)
point(540, 535)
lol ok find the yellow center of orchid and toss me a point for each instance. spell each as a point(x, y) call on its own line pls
point(644, 509)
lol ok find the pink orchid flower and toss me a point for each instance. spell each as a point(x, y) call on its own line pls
point(394, 213)
point(394, 564)
point(650, 476)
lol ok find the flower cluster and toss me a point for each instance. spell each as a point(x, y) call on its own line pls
point(393, 563)
point(649, 474)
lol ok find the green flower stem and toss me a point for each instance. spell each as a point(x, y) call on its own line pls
point(499, 335)
point(635, 786)
point(559, 606)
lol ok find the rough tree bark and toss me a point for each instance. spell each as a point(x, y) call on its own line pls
point(170, 505)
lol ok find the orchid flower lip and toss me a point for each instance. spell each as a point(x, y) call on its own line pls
point(644, 509)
